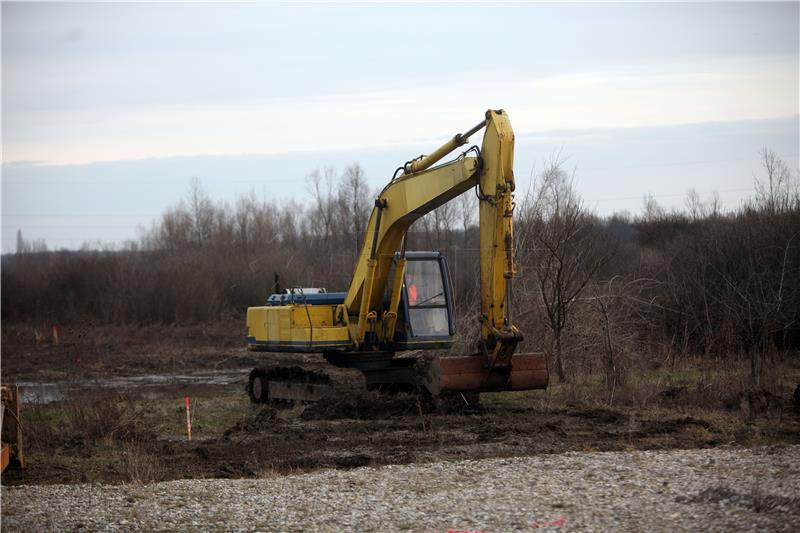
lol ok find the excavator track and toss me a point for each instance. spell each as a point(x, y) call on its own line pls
point(336, 392)
point(286, 386)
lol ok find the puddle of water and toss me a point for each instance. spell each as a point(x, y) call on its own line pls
point(33, 392)
point(149, 386)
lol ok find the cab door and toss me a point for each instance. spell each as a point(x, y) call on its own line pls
point(428, 320)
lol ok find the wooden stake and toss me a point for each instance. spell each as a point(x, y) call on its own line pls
point(188, 420)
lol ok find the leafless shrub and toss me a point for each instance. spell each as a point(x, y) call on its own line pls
point(139, 464)
point(624, 309)
point(97, 417)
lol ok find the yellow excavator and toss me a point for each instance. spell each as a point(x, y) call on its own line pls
point(402, 301)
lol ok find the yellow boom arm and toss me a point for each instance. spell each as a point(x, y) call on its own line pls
point(421, 189)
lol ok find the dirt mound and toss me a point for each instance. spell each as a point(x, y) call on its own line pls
point(264, 419)
point(380, 406)
point(672, 393)
point(600, 415)
point(364, 406)
point(754, 402)
point(670, 425)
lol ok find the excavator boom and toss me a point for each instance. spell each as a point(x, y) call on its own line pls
point(419, 191)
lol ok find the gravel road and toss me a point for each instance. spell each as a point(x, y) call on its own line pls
point(721, 489)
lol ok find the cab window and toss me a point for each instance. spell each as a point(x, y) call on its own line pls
point(427, 305)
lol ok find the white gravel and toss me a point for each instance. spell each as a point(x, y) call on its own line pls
point(722, 489)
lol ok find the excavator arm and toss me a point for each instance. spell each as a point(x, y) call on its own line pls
point(420, 189)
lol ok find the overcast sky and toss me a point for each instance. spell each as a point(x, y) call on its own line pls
point(108, 110)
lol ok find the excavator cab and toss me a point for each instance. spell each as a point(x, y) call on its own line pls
point(427, 320)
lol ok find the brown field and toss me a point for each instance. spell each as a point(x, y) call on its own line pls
point(107, 404)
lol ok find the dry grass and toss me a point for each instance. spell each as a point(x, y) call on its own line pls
point(139, 463)
point(97, 417)
point(100, 426)
point(686, 384)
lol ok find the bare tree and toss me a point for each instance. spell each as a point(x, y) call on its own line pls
point(321, 187)
point(467, 206)
point(694, 205)
point(779, 189)
point(444, 217)
point(564, 248)
point(424, 231)
point(21, 245)
point(175, 230)
point(699, 210)
point(652, 210)
point(244, 220)
point(354, 204)
point(201, 211)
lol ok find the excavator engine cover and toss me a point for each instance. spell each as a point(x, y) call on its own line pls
point(470, 373)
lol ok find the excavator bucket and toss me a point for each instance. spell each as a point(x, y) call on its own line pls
point(471, 374)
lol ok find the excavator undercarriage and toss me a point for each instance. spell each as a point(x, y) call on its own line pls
point(438, 376)
point(331, 377)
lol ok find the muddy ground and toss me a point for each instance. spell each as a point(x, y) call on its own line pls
point(110, 406)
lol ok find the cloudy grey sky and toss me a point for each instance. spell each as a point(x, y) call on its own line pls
point(108, 110)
